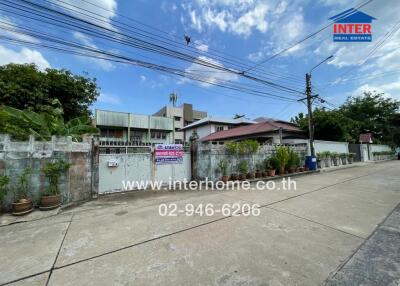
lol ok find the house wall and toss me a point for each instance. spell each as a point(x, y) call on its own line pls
point(379, 148)
point(76, 185)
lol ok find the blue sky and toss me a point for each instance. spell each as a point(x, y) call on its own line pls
point(248, 30)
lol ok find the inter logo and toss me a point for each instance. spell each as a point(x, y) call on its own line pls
point(352, 26)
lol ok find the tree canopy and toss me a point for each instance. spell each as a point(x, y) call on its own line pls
point(371, 112)
point(25, 87)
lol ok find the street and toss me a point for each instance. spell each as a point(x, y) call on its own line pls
point(309, 236)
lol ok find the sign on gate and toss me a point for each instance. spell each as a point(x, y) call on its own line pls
point(168, 154)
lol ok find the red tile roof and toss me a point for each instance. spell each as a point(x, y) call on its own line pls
point(254, 129)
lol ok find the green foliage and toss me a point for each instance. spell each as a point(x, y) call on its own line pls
point(246, 147)
point(267, 164)
point(274, 163)
point(243, 167)
point(21, 191)
point(371, 112)
point(231, 147)
point(293, 159)
point(282, 155)
point(22, 123)
point(223, 167)
point(53, 171)
point(26, 87)
point(4, 180)
point(383, 153)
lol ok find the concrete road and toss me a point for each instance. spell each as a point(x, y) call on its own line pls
point(307, 236)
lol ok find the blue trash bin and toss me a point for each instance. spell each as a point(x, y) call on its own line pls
point(311, 163)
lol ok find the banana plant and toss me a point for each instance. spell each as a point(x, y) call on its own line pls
point(22, 123)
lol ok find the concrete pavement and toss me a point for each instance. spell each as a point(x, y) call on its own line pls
point(301, 237)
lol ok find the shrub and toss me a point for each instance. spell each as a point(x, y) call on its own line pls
point(4, 180)
point(282, 155)
point(243, 167)
point(22, 189)
point(53, 172)
point(223, 167)
point(231, 147)
point(274, 163)
point(293, 159)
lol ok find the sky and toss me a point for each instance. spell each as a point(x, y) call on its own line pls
point(248, 31)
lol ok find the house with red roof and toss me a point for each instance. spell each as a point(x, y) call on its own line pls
point(269, 131)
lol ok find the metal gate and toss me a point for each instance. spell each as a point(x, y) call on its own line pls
point(355, 148)
point(134, 165)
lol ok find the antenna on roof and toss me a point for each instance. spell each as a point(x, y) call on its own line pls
point(237, 116)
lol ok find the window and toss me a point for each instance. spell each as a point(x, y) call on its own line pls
point(219, 128)
point(177, 118)
point(177, 129)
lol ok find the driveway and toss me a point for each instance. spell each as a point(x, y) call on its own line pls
point(308, 236)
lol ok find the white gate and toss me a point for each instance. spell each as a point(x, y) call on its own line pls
point(134, 165)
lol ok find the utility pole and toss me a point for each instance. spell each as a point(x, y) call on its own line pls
point(310, 115)
point(309, 99)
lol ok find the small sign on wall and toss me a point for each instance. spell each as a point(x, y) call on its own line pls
point(168, 154)
point(114, 162)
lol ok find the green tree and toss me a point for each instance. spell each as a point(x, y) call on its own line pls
point(371, 112)
point(26, 87)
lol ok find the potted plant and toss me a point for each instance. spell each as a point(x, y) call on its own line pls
point(274, 165)
point(51, 198)
point(282, 155)
point(251, 175)
point(326, 159)
point(259, 171)
point(234, 176)
point(266, 167)
point(343, 157)
point(292, 161)
point(335, 158)
point(22, 201)
point(223, 168)
point(4, 180)
point(320, 156)
point(351, 158)
point(242, 168)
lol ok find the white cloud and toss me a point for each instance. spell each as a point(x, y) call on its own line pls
point(87, 41)
point(23, 56)
point(235, 16)
point(201, 46)
point(10, 24)
point(105, 8)
point(142, 78)
point(209, 75)
point(109, 98)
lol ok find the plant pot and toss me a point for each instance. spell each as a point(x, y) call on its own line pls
point(281, 170)
point(258, 174)
point(49, 202)
point(306, 168)
point(265, 174)
point(23, 206)
point(250, 175)
point(242, 177)
point(271, 173)
point(291, 170)
point(234, 177)
point(301, 169)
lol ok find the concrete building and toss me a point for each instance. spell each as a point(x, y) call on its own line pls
point(182, 116)
point(268, 131)
point(122, 126)
point(209, 125)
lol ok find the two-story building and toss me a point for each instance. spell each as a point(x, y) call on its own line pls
point(182, 116)
point(123, 126)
